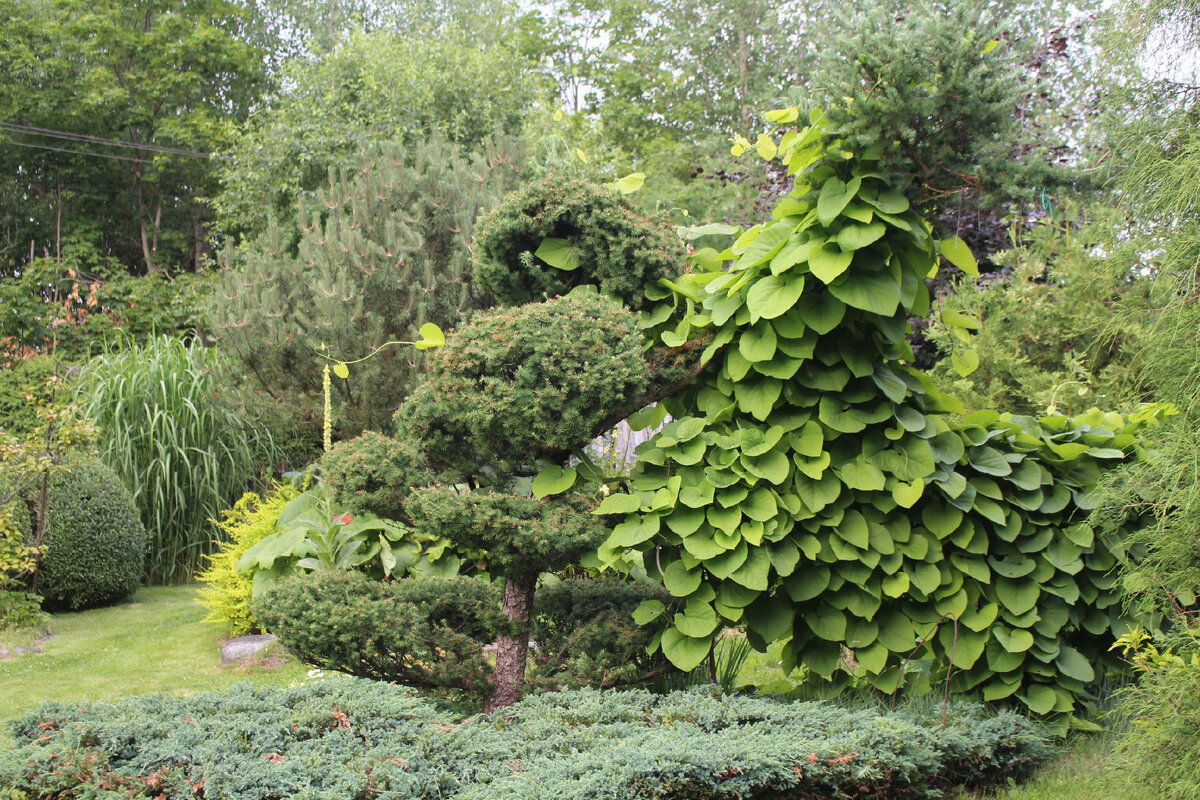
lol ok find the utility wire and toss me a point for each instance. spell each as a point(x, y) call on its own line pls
point(83, 137)
point(78, 152)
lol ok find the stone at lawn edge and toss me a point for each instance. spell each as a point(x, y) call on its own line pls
point(244, 647)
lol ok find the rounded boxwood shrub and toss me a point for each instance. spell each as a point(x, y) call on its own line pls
point(617, 248)
point(95, 541)
point(517, 384)
point(425, 632)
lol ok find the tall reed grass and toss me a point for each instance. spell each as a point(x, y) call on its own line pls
point(182, 455)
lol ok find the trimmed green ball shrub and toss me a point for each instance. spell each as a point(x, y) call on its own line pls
point(424, 632)
point(616, 248)
point(517, 384)
point(94, 537)
point(374, 473)
point(358, 740)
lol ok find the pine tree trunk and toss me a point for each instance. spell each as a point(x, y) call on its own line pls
point(509, 677)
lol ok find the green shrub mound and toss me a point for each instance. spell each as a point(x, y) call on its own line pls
point(95, 540)
point(373, 473)
point(424, 632)
point(513, 530)
point(609, 244)
point(518, 384)
point(355, 740)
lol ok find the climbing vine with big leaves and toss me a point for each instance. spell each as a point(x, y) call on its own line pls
point(816, 491)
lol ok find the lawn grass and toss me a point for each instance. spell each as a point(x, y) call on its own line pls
point(156, 642)
point(1085, 770)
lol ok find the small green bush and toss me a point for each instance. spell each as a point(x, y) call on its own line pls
point(18, 608)
point(95, 541)
point(21, 610)
point(584, 634)
point(373, 473)
point(424, 632)
point(617, 249)
point(354, 740)
point(518, 384)
point(227, 592)
point(1162, 746)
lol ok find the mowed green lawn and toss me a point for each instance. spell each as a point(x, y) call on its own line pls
point(155, 642)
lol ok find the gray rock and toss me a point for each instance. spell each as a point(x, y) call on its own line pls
point(244, 647)
point(6, 653)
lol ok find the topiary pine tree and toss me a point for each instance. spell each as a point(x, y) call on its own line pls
point(509, 389)
point(513, 392)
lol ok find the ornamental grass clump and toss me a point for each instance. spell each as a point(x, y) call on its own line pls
point(183, 456)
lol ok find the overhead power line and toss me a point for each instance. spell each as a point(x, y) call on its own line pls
point(83, 137)
point(79, 152)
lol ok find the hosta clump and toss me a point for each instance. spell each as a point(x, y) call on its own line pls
point(514, 385)
point(358, 740)
point(554, 235)
point(425, 632)
point(311, 532)
point(814, 489)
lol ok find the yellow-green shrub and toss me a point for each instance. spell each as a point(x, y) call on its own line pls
point(227, 594)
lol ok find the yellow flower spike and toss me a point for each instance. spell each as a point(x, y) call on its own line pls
point(328, 422)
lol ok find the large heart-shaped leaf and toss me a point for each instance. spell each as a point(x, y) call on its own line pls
point(558, 253)
point(835, 196)
point(874, 292)
point(685, 652)
point(856, 236)
point(955, 251)
point(773, 295)
point(431, 337)
point(828, 261)
point(553, 480)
